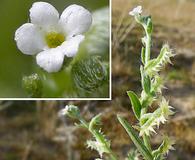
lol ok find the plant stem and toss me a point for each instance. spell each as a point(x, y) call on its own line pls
point(85, 124)
point(136, 140)
point(148, 45)
point(147, 142)
point(101, 138)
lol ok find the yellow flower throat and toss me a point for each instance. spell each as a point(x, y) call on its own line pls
point(54, 39)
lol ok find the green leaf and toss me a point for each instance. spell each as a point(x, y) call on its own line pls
point(146, 84)
point(94, 122)
point(136, 105)
point(144, 20)
point(149, 26)
point(136, 140)
point(146, 81)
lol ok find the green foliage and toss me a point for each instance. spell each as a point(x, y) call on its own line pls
point(136, 105)
point(164, 148)
point(133, 155)
point(136, 140)
point(146, 81)
point(154, 66)
point(99, 142)
point(152, 85)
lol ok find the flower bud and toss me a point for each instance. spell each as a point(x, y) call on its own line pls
point(33, 85)
point(70, 110)
point(89, 73)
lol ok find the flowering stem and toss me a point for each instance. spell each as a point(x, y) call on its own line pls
point(85, 124)
point(101, 138)
point(146, 138)
point(152, 85)
point(136, 140)
point(147, 142)
point(151, 92)
point(148, 45)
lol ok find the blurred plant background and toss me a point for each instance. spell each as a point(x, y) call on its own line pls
point(14, 65)
point(31, 130)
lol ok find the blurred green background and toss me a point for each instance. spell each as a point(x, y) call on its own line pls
point(13, 64)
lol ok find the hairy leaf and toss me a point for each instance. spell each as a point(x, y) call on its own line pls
point(136, 105)
point(146, 81)
point(136, 140)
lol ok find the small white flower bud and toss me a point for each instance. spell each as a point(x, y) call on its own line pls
point(137, 10)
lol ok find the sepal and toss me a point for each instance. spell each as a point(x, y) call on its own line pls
point(164, 148)
point(160, 115)
point(98, 146)
point(155, 65)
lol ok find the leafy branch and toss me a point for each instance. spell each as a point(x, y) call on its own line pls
point(100, 142)
point(148, 122)
point(152, 85)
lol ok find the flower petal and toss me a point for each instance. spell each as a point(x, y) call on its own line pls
point(137, 10)
point(44, 14)
point(75, 20)
point(71, 46)
point(29, 39)
point(50, 60)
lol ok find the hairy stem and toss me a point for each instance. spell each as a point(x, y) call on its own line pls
point(147, 142)
point(148, 45)
point(101, 138)
point(136, 140)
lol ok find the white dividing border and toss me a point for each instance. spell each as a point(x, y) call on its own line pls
point(83, 99)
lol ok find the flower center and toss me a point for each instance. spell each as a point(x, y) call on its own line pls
point(54, 39)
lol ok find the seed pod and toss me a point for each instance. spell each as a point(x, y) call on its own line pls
point(89, 73)
point(32, 85)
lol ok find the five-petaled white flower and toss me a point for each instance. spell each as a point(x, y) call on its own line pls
point(137, 10)
point(51, 36)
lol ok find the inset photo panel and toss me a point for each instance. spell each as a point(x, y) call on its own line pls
point(55, 49)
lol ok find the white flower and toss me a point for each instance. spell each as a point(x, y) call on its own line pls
point(63, 111)
point(137, 10)
point(51, 36)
